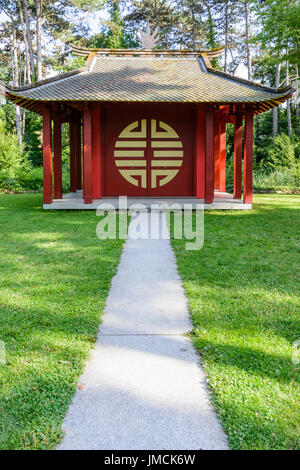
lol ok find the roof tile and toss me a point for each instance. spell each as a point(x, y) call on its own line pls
point(147, 79)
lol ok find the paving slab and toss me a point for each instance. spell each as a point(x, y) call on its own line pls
point(143, 387)
point(145, 393)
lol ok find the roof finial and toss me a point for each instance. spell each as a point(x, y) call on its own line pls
point(149, 40)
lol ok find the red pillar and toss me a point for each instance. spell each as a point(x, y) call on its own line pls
point(78, 152)
point(87, 155)
point(200, 154)
point(238, 147)
point(73, 185)
point(209, 155)
point(57, 157)
point(217, 152)
point(248, 155)
point(47, 156)
point(222, 167)
point(96, 150)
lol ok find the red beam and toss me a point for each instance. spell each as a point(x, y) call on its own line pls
point(238, 148)
point(87, 155)
point(73, 185)
point(96, 150)
point(47, 157)
point(209, 155)
point(222, 171)
point(78, 155)
point(200, 154)
point(217, 152)
point(57, 157)
point(248, 156)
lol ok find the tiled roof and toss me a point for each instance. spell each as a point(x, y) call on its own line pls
point(154, 79)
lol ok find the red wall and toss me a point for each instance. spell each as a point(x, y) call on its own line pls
point(151, 153)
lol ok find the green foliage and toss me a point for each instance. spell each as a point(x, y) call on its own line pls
point(89, 5)
point(33, 138)
point(229, 141)
point(280, 29)
point(285, 180)
point(114, 35)
point(8, 116)
point(280, 154)
point(11, 155)
point(31, 180)
point(65, 144)
point(71, 63)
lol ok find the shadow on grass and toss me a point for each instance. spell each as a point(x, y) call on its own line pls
point(249, 359)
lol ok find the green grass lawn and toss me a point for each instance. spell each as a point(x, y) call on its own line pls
point(243, 291)
point(54, 279)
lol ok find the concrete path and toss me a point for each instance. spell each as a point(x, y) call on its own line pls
point(143, 387)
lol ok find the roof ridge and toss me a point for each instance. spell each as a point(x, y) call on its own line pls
point(85, 51)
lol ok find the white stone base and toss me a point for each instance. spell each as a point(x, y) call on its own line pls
point(74, 201)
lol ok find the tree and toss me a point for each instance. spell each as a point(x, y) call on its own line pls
point(248, 35)
point(280, 35)
point(114, 33)
point(158, 13)
point(275, 110)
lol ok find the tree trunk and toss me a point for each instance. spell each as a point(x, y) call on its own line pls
point(38, 4)
point(27, 70)
point(16, 83)
point(29, 39)
point(275, 110)
point(193, 29)
point(296, 99)
point(249, 58)
point(226, 36)
point(288, 103)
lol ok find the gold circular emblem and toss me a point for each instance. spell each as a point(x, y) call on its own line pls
point(132, 148)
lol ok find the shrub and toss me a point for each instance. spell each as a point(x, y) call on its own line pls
point(7, 182)
point(280, 154)
point(11, 155)
point(287, 179)
point(31, 179)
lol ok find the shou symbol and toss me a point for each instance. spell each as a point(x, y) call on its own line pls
point(148, 162)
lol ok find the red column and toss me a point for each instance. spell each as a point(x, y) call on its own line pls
point(57, 157)
point(47, 156)
point(217, 152)
point(222, 170)
point(87, 155)
point(73, 185)
point(248, 155)
point(238, 147)
point(200, 154)
point(78, 155)
point(209, 155)
point(96, 150)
